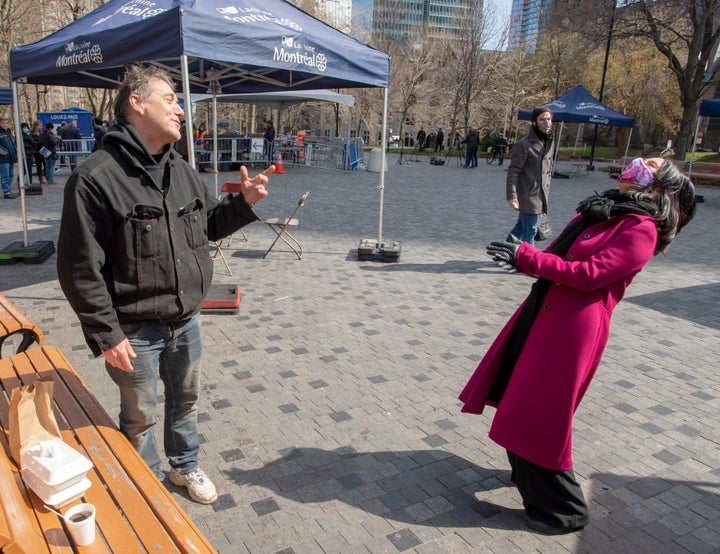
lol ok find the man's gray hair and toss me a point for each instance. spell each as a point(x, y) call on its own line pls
point(137, 81)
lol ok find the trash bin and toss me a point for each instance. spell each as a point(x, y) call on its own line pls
point(373, 164)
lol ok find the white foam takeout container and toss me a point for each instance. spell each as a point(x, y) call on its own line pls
point(56, 463)
point(54, 496)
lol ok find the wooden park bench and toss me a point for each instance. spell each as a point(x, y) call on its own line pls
point(705, 171)
point(14, 322)
point(134, 510)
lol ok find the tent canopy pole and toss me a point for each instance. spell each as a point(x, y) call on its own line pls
point(188, 111)
point(19, 145)
point(381, 186)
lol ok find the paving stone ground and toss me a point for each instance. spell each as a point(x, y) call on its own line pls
point(329, 416)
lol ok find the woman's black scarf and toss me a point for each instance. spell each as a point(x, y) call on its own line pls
point(594, 209)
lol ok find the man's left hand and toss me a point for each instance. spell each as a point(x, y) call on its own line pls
point(253, 189)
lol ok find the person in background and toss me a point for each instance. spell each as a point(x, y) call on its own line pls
point(529, 174)
point(8, 158)
point(134, 263)
point(471, 141)
point(29, 146)
point(72, 141)
point(50, 141)
point(420, 138)
point(269, 136)
point(439, 140)
point(499, 148)
point(37, 156)
point(60, 134)
point(538, 369)
point(99, 131)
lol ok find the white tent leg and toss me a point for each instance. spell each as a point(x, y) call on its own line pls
point(215, 146)
point(627, 146)
point(381, 186)
point(347, 164)
point(694, 145)
point(580, 128)
point(557, 144)
point(188, 110)
point(20, 146)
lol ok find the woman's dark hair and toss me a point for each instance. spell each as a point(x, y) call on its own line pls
point(674, 195)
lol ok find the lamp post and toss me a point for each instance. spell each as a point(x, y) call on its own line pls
point(591, 166)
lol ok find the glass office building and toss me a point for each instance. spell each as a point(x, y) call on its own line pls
point(528, 22)
point(399, 19)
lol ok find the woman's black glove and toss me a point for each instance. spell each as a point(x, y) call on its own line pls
point(502, 251)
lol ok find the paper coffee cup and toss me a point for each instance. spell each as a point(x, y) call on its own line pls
point(80, 521)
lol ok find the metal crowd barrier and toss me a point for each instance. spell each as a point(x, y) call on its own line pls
point(322, 152)
point(74, 148)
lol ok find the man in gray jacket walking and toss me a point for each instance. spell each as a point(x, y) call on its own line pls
point(529, 174)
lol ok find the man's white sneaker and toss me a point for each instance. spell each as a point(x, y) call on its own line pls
point(199, 486)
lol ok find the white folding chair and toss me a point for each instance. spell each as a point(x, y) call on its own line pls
point(229, 187)
point(280, 228)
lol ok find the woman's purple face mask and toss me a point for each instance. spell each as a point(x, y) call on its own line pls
point(637, 172)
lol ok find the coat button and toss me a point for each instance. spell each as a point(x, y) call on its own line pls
point(148, 227)
point(571, 258)
point(546, 307)
point(179, 262)
point(586, 235)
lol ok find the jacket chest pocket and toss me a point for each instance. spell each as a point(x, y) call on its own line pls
point(144, 227)
point(192, 219)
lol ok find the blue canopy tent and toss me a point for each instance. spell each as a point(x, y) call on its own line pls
point(209, 46)
point(708, 108)
point(5, 96)
point(579, 106)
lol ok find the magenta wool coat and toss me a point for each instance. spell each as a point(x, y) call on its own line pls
point(566, 342)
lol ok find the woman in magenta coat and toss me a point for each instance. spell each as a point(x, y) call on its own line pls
point(538, 369)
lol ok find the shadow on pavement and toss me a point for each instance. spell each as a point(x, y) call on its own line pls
point(450, 266)
point(686, 303)
point(426, 487)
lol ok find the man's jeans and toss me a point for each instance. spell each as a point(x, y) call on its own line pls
point(525, 228)
point(50, 169)
point(6, 177)
point(173, 352)
point(471, 157)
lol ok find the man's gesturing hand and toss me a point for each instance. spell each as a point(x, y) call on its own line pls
point(253, 189)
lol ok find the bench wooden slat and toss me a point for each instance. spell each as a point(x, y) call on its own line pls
point(705, 171)
point(13, 321)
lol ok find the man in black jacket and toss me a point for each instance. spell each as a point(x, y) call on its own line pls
point(134, 263)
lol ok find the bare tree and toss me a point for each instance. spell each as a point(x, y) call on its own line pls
point(686, 33)
point(472, 64)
